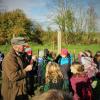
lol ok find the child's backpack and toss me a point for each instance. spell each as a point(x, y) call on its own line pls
point(84, 91)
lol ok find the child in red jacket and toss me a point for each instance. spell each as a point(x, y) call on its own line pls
point(80, 83)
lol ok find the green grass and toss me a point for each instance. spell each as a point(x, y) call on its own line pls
point(79, 47)
point(4, 48)
point(71, 48)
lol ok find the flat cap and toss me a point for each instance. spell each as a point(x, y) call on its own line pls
point(18, 41)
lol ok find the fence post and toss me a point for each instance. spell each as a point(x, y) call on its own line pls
point(59, 42)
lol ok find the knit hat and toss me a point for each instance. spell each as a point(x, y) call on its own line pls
point(28, 51)
point(64, 52)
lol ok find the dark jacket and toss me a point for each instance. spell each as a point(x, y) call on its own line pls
point(13, 83)
point(50, 85)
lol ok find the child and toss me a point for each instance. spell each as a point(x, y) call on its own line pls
point(89, 65)
point(1, 59)
point(28, 56)
point(97, 60)
point(65, 61)
point(53, 77)
point(40, 66)
point(80, 83)
point(29, 59)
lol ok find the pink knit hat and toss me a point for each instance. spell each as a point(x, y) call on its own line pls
point(28, 51)
point(64, 51)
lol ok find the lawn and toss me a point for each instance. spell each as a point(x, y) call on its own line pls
point(71, 48)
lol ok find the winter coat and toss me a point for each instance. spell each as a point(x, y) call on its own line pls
point(13, 83)
point(50, 85)
point(79, 84)
point(65, 65)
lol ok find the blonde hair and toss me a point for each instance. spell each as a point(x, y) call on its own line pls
point(78, 68)
point(53, 72)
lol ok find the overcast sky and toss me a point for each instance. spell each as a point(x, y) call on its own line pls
point(38, 10)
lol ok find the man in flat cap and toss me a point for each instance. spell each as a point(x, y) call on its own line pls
point(14, 72)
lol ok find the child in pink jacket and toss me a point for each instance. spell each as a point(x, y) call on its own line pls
point(80, 83)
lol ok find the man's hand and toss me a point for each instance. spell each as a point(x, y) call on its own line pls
point(28, 68)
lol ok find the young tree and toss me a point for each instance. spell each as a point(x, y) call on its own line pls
point(63, 17)
point(91, 19)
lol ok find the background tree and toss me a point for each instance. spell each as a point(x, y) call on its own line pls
point(36, 33)
point(91, 23)
point(63, 18)
point(15, 23)
point(91, 19)
point(73, 22)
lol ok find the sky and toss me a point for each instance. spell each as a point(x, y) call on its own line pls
point(40, 11)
